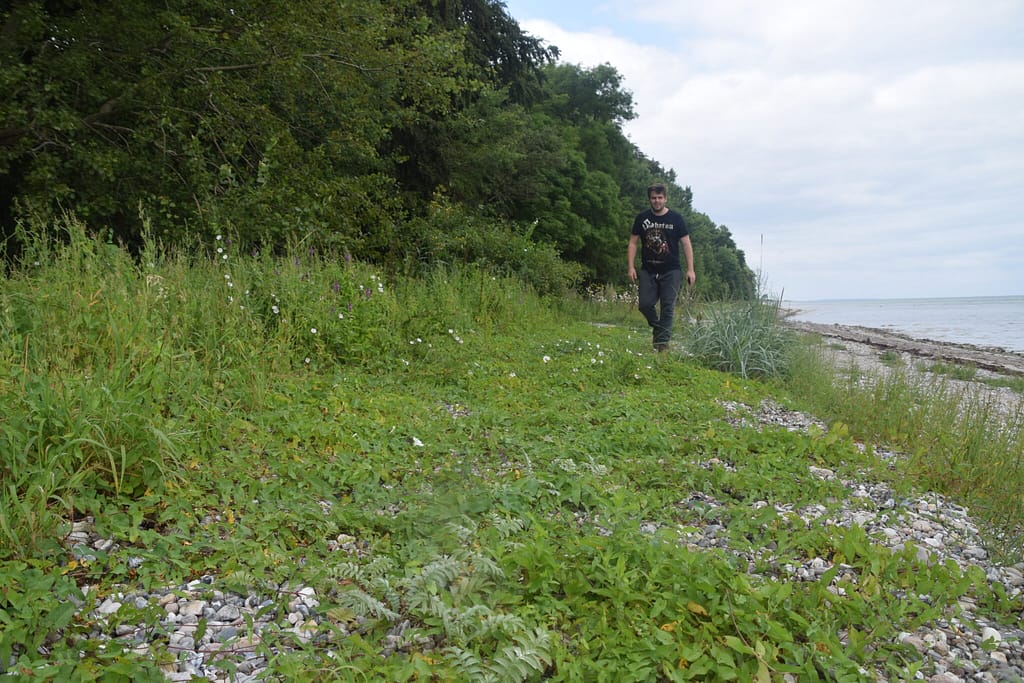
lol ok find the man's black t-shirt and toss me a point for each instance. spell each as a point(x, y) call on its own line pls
point(660, 237)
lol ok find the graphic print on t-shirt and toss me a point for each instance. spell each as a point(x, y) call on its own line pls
point(656, 241)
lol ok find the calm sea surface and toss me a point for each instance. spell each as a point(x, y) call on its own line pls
point(982, 321)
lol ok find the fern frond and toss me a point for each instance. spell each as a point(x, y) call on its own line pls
point(529, 654)
point(594, 467)
point(366, 605)
point(469, 587)
point(241, 581)
point(379, 566)
point(506, 526)
point(383, 589)
point(503, 624)
point(343, 571)
point(487, 567)
point(465, 531)
point(465, 625)
point(423, 603)
point(439, 573)
point(466, 663)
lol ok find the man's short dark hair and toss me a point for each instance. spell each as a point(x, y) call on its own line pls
point(656, 188)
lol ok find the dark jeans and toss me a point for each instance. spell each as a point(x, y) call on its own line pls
point(660, 288)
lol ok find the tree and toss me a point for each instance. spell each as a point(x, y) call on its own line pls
point(507, 56)
point(266, 117)
point(722, 269)
point(594, 94)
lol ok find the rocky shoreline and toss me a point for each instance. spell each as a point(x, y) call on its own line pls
point(988, 358)
point(873, 352)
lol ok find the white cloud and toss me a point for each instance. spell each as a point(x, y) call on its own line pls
point(877, 146)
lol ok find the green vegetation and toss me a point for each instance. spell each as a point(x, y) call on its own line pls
point(966, 373)
point(959, 439)
point(891, 358)
point(969, 373)
point(743, 338)
point(369, 127)
point(328, 334)
point(516, 482)
point(1014, 383)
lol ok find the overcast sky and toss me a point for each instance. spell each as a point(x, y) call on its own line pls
point(875, 149)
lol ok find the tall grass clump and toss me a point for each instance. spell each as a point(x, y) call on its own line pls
point(606, 305)
point(83, 384)
point(460, 297)
point(745, 338)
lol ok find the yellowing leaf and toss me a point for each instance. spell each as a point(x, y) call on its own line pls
point(696, 609)
point(670, 627)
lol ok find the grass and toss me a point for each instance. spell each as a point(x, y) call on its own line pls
point(969, 373)
point(742, 338)
point(959, 439)
point(520, 475)
point(964, 373)
point(1015, 384)
point(891, 358)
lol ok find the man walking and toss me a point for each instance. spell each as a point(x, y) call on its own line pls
point(660, 231)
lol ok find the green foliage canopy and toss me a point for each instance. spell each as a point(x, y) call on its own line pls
point(269, 116)
point(327, 123)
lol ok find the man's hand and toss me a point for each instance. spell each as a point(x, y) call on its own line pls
point(632, 274)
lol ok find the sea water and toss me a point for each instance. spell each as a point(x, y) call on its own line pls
point(993, 321)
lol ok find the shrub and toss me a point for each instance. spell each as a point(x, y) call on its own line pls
point(450, 235)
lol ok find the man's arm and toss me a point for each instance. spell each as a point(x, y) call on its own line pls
point(691, 276)
point(631, 256)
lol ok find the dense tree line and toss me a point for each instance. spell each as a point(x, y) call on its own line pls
point(397, 130)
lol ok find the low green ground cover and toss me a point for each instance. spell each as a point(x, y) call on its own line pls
point(520, 481)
